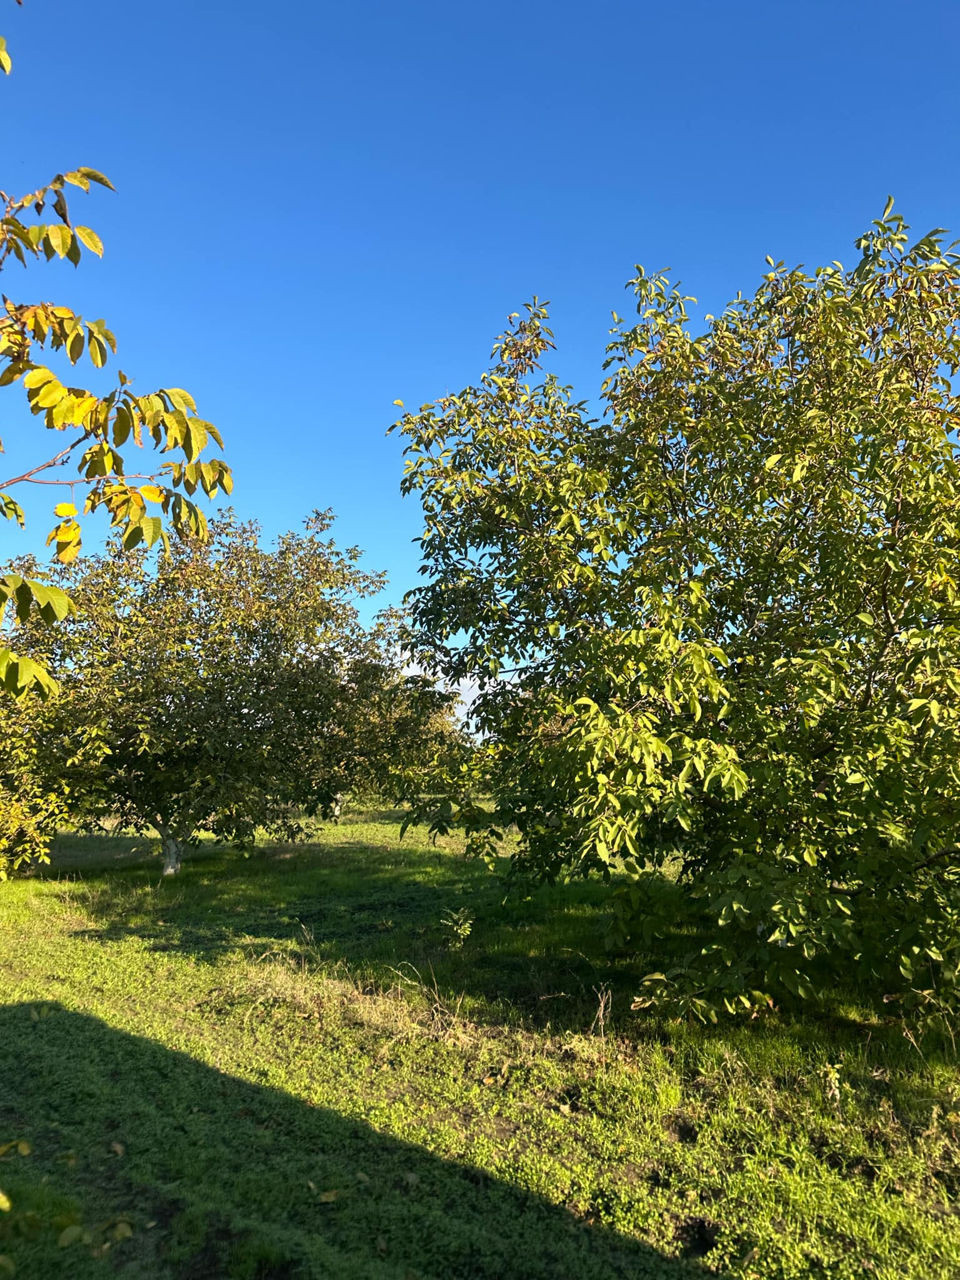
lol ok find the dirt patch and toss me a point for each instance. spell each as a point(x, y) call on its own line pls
point(697, 1236)
point(680, 1128)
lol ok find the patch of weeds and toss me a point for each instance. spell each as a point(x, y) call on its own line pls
point(457, 926)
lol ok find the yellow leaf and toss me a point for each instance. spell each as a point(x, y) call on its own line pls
point(81, 407)
point(59, 238)
point(50, 394)
point(152, 492)
point(64, 509)
point(96, 351)
point(95, 176)
point(328, 1197)
point(90, 239)
point(68, 551)
point(5, 1205)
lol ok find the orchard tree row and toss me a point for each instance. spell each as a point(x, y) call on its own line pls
point(714, 631)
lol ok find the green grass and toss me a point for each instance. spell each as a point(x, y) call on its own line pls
point(291, 1066)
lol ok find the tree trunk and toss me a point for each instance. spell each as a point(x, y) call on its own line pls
point(172, 853)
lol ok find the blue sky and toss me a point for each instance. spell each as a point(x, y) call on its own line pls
point(324, 207)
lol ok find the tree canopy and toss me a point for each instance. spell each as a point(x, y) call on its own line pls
point(223, 687)
point(715, 631)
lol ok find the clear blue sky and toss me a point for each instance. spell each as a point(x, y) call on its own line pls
point(324, 207)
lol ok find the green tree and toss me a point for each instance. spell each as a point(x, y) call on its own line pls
point(716, 632)
point(423, 739)
point(30, 805)
point(93, 429)
point(230, 687)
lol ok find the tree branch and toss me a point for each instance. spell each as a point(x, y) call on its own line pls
point(56, 461)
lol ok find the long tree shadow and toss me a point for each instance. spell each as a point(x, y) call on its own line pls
point(218, 1178)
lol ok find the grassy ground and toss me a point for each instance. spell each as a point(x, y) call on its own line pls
point(302, 1064)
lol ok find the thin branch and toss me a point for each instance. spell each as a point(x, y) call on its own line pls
point(951, 849)
point(80, 479)
point(55, 461)
point(935, 857)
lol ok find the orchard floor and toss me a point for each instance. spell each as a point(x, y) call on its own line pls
point(354, 1059)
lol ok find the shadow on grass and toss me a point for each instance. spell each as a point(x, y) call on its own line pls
point(219, 1178)
point(379, 908)
point(374, 908)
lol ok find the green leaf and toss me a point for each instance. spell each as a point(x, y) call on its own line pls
point(97, 350)
point(181, 399)
point(152, 527)
point(11, 510)
point(94, 175)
